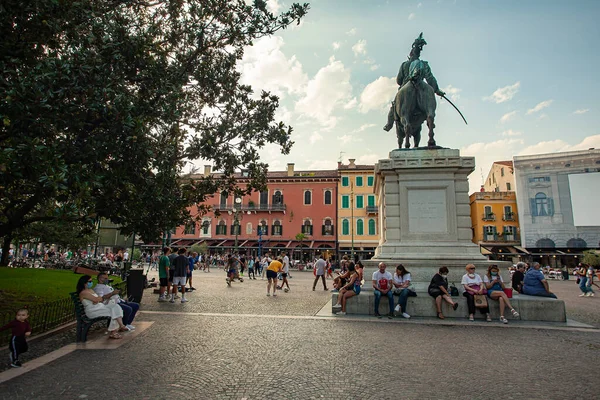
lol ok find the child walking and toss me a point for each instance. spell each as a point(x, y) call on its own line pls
point(20, 329)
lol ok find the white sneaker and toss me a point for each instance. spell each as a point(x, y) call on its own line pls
point(582, 294)
point(592, 294)
point(341, 313)
point(184, 300)
point(405, 315)
point(397, 309)
point(131, 327)
point(588, 294)
point(161, 299)
point(172, 301)
point(337, 306)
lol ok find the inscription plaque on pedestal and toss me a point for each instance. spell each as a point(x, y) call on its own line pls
point(427, 211)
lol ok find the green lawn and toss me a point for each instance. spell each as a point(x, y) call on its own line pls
point(28, 286)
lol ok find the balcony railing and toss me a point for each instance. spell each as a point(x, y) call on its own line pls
point(372, 209)
point(502, 238)
point(489, 217)
point(254, 207)
point(508, 217)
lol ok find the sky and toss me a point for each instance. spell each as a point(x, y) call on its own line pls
point(522, 73)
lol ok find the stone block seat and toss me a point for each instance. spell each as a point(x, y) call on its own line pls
point(530, 308)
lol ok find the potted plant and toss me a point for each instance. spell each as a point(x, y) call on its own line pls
point(251, 204)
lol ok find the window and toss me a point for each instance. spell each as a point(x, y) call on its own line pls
point(487, 212)
point(307, 197)
point(264, 199)
point(537, 179)
point(263, 227)
point(360, 201)
point(360, 228)
point(249, 228)
point(190, 228)
point(345, 227)
point(345, 181)
point(236, 228)
point(371, 200)
point(328, 197)
point(489, 232)
point(278, 197)
point(307, 227)
point(224, 196)
point(510, 232)
point(345, 201)
point(541, 205)
point(277, 229)
point(501, 171)
point(508, 186)
point(205, 227)
point(372, 230)
point(370, 180)
point(327, 228)
point(359, 181)
point(221, 228)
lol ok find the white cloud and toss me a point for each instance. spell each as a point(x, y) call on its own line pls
point(581, 111)
point(265, 66)
point(411, 16)
point(360, 48)
point(374, 67)
point(378, 94)
point(539, 106)
point(345, 139)
point(511, 133)
point(364, 127)
point(351, 32)
point(369, 159)
point(329, 89)
point(559, 145)
point(315, 165)
point(336, 45)
point(419, 5)
point(452, 92)
point(283, 114)
point(503, 94)
point(351, 104)
point(273, 6)
point(485, 154)
point(315, 137)
point(508, 117)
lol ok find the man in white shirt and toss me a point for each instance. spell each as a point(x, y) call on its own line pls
point(382, 284)
point(126, 256)
point(320, 267)
point(130, 308)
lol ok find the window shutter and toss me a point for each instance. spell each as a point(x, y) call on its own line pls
point(281, 229)
point(532, 207)
point(550, 206)
point(273, 229)
point(266, 230)
point(323, 230)
point(311, 230)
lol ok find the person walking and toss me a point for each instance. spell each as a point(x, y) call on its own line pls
point(181, 269)
point(285, 271)
point(320, 267)
point(163, 274)
point(20, 330)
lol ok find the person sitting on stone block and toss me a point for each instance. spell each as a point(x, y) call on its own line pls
point(401, 282)
point(382, 284)
point(474, 286)
point(535, 283)
point(352, 288)
point(438, 289)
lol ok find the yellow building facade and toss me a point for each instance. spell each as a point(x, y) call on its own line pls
point(501, 177)
point(495, 222)
point(358, 227)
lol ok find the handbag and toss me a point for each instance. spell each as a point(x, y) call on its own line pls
point(453, 291)
point(477, 287)
point(480, 301)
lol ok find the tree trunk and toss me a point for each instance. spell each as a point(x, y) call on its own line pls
point(5, 249)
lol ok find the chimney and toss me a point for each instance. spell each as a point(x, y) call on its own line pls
point(352, 165)
point(339, 164)
point(290, 169)
point(207, 170)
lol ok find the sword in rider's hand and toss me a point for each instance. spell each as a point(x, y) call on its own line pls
point(456, 108)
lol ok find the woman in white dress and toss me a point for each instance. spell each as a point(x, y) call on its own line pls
point(94, 307)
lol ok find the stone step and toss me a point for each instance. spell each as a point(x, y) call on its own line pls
point(530, 308)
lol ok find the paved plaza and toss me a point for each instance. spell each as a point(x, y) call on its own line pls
point(236, 343)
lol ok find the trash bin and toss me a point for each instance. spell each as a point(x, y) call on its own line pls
point(565, 275)
point(135, 285)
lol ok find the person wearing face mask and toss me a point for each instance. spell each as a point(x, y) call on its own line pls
point(94, 307)
point(104, 290)
point(473, 285)
point(438, 289)
point(495, 290)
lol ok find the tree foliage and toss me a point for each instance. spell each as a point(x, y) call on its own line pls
point(591, 257)
point(102, 103)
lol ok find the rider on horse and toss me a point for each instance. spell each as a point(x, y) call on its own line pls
point(406, 73)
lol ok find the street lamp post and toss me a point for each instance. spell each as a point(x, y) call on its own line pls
point(236, 222)
point(352, 218)
point(259, 241)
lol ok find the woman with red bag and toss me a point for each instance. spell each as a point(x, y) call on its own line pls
point(474, 286)
point(495, 291)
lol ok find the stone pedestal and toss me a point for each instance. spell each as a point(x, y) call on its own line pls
point(424, 212)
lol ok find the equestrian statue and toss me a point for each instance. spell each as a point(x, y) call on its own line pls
point(415, 100)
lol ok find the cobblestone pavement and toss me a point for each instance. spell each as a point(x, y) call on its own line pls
point(582, 309)
point(266, 348)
